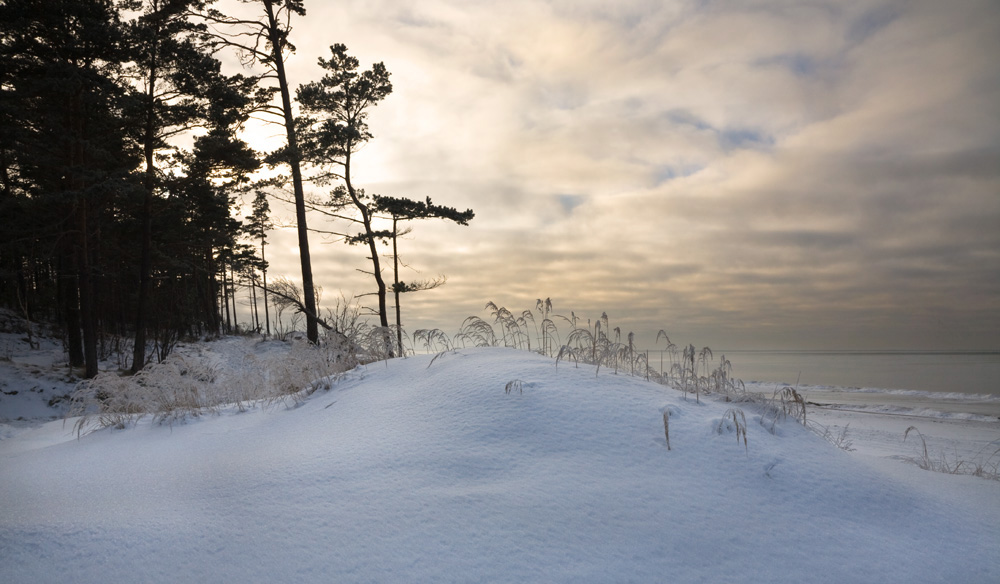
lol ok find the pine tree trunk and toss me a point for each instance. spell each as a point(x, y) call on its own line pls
point(294, 160)
point(88, 319)
point(254, 313)
point(145, 259)
point(70, 296)
point(395, 285)
point(383, 312)
point(232, 287)
point(263, 272)
point(225, 301)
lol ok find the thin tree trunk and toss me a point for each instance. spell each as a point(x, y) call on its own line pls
point(254, 313)
point(383, 313)
point(395, 284)
point(145, 259)
point(70, 292)
point(232, 285)
point(88, 318)
point(225, 301)
point(294, 160)
point(145, 256)
point(263, 272)
point(211, 294)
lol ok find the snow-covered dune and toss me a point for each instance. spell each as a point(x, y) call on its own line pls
point(413, 471)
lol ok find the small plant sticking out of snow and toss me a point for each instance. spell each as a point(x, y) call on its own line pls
point(840, 439)
point(785, 402)
point(514, 385)
point(476, 331)
point(441, 354)
point(734, 419)
point(433, 340)
point(987, 467)
point(666, 426)
point(923, 461)
point(567, 352)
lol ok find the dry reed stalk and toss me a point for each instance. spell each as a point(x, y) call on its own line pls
point(666, 426)
point(739, 421)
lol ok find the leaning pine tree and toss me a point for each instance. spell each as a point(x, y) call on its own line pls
point(402, 209)
point(333, 127)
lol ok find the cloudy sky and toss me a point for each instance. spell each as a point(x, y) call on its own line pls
point(744, 174)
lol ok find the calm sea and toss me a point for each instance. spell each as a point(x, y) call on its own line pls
point(966, 372)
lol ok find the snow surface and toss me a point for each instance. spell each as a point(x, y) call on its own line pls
point(419, 471)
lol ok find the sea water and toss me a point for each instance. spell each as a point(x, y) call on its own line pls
point(930, 371)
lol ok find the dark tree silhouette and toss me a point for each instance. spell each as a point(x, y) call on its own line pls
point(333, 126)
point(257, 226)
point(71, 149)
point(265, 42)
point(402, 209)
point(182, 88)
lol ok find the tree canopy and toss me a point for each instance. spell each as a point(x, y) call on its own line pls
point(128, 198)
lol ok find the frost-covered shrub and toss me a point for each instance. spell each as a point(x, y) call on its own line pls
point(197, 379)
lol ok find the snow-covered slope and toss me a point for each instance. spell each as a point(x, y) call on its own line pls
point(412, 471)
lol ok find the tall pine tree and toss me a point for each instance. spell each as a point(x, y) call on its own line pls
point(265, 42)
point(182, 88)
point(73, 151)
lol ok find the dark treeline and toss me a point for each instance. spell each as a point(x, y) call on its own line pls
point(121, 164)
point(107, 228)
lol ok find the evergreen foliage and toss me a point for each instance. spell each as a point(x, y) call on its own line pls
point(88, 105)
point(265, 42)
point(333, 126)
point(122, 164)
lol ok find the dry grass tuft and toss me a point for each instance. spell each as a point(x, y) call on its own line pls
point(514, 385)
point(987, 467)
point(434, 340)
point(441, 354)
point(839, 439)
point(567, 352)
point(477, 332)
point(735, 419)
point(785, 402)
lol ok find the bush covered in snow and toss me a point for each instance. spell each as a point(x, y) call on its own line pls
point(237, 372)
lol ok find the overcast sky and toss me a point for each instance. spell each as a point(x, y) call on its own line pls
point(745, 174)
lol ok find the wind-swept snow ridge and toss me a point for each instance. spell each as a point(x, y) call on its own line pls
point(417, 473)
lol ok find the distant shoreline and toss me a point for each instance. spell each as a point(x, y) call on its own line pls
point(874, 352)
point(938, 371)
point(898, 402)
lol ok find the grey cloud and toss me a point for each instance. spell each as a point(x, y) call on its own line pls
point(870, 22)
point(800, 64)
point(743, 172)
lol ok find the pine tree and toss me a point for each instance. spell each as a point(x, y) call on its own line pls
point(402, 209)
point(72, 150)
point(333, 127)
point(257, 226)
point(182, 88)
point(265, 42)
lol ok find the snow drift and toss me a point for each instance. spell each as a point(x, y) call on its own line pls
point(420, 471)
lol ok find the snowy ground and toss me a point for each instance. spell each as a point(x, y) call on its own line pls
point(431, 472)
